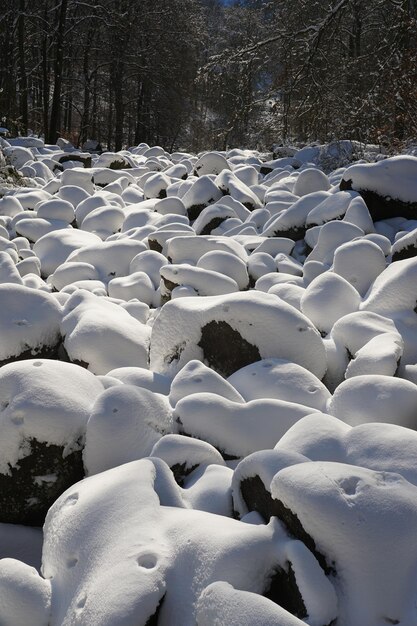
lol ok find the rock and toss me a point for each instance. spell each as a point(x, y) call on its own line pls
point(220, 330)
point(92, 146)
point(44, 410)
point(29, 324)
point(82, 157)
point(388, 187)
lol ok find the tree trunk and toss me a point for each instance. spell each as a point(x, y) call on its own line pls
point(85, 118)
point(110, 116)
point(45, 83)
point(53, 133)
point(118, 78)
point(23, 81)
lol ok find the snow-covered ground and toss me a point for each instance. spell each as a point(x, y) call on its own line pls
point(208, 388)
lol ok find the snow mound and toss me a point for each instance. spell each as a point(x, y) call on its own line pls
point(124, 425)
point(158, 549)
point(207, 328)
point(88, 321)
point(282, 380)
point(29, 323)
point(347, 511)
point(45, 408)
point(26, 597)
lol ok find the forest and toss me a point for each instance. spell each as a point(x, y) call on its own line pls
point(188, 74)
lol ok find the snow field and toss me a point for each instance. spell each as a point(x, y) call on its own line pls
point(208, 390)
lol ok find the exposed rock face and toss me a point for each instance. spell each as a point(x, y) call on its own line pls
point(225, 350)
point(32, 487)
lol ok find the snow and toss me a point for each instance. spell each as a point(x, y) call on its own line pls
point(210, 163)
point(377, 446)
point(56, 210)
point(392, 178)
point(104, 221)
point(230, 184)
point(227, 264)
point(359, 262)
point(282, 380)
point(160, 548)
point(29, 320)
point(221, 604)
point(355, 330)
point(124, 425)
point(102, 335)
point(250, 445)
point(136, 285)
point(237, 428)
point(110, 258)
point(142, 378)
point(381, 355)
point(394, 289)
point(54, 248)
point(44, 400)
point(181, 250)
point(25, 596)
point(348, 511)
point(311, 180)
point(195, 377)
point(71, 272)
point(294, 218)
point(375, 398)
point(204, 282)
point(331, 236)
point(328, 298)
point(35, 228)
point(332, 208)
point(281, 331)
point(202, 193)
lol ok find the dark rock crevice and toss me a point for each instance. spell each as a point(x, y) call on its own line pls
point(181, 471)
point(153, 620)
point(40, 352)
point(283, 590)
point(257, 498)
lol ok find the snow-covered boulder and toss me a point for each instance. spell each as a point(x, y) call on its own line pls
point(282, 380)
point(346, 512)
point(183, 455)
point(375, 398)
point(203, 282)
point(161, 555)
point(236, 429)
point(405, 247)
point(202, 193)
point(210, 163)
point(45, 408)
point(388, 187)
point(53, 248)
point(29, 323)
point(328, 298)
point(394, 290)
point(195, 377)
point(125, 424)
point(221, 603)
point(100, 335)
point(26, 596)
point(220, 330)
